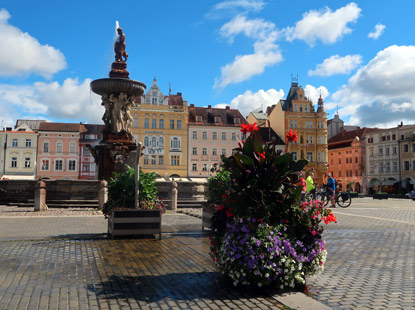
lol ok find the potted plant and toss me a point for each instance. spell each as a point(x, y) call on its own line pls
point(124, 216)
point(261, 233)
point(380, 195)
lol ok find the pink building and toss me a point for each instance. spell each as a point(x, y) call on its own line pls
point(212, 132)
point(58, 150)
point(88, 170)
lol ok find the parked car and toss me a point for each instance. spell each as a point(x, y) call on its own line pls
point(410, 195)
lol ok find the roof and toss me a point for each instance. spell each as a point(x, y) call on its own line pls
point(32, 123)
point(65, 127)
point(94, 128)
point(175, 99)
point(268, 134)
point(287, 103)
point(259, 115)
point(208, 115)
point(345, 138)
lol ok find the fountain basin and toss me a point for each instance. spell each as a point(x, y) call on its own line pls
point(118, 85)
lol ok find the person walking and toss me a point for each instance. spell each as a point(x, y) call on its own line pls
point(310, 188)
point(331, 189)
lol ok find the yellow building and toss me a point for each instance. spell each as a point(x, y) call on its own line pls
point(160, 123)
point(297, 113)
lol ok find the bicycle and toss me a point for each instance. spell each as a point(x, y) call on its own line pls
point(342, 199)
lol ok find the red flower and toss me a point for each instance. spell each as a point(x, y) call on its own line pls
point(330, 218)
point(248, 128)
point(229, 212)
point(291, 136)
point(244, 128)
point(261, 155)
point(219, 207)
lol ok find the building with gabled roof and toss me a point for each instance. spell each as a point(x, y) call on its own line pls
point(88, 169)
point(259, 118)
point(212, 132)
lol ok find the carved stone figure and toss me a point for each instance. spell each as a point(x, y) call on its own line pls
point(119, 47)
point(117, 117)
point(108, 113)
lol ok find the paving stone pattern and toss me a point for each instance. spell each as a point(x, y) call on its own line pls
point(117, 274)
point(370, 262)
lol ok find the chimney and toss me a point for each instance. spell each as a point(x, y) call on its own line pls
point(192, 105)
point(228, 107)
point(209, 106)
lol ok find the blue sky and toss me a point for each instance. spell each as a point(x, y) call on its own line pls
point(360, 55)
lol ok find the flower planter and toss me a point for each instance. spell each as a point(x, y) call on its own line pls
point(134, 222)
point(207, 213)
point(354, 195)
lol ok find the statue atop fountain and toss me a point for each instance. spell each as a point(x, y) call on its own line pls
point(118, 94)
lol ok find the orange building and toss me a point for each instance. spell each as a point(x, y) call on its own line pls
point(346, 157)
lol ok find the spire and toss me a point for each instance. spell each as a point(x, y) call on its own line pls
point(155, 81)
point(320, 104)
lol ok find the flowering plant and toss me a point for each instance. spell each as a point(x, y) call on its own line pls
point(261, 232)
point(254, 253)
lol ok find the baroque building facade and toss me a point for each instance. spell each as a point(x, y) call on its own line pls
point(297, 113)
point(160, 123)
point(212, 132)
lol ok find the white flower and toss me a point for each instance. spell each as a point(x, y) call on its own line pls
point(259, 284)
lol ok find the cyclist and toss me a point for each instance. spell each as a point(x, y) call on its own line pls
point(310, 184)
point(331, 189)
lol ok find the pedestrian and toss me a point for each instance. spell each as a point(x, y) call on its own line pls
point(310, 188)
point(331, 189)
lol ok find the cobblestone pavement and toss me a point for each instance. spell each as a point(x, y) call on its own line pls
point(371, 263)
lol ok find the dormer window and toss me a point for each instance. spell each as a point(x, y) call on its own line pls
point(236, 121)
point(217, 119)
point(198, 118)
point(306, 108)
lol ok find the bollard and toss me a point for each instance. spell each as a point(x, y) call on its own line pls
point(102, 194)
point(40, 196)
point(173, 196)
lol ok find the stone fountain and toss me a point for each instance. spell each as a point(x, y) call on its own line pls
point(118, 94)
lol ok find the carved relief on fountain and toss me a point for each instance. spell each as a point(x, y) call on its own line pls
point(117, 117)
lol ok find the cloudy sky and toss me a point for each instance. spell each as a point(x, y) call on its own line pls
point(242, 53)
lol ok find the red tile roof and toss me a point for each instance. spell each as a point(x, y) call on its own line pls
point(65, 127)
point(345, 138)
point(208, 115)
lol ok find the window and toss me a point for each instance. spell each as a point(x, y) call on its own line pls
point(175, 160)
point(45, 165)
point(15, 143)
point(161, 141)
point(71, 164)
point(204, 151)
point(310, 156)
point(393, 137)
point(294, 156)
point(135, 122)
point(214, 135)
point(161, 123)
point(72, 147)
point(172, 124)
point(45, 147)
point(394, 150)
point(204, 135)
point(175, 143)
point(153, 160)
point(161, 160)
point(301, 108)
point(153, 141)
point(194, 151)
point(146, 141)
point(204, 167)
point(380, 151)
point(146, 123)
point(179, 124)
point(223, 135)
point(233, 136)
point(85, 167)
point(27, 162)
point(13, 163)
point(236, 120)
point(214, 151)
point(194, 167)
point(85, 151)
point(58, 165)
point(291, 124)
point(295, 124)
point(340, 161)
point(306, 108)
point(146, 160)
point(194, 135)
point(311, 124)
point(406, 165)
point(59, 147)
point(405, 148)
point(388, 167)
point(387, 151)
point(198, 118)
point(217, 119)
point(29, 143)
point(224, 152)
point(153, 123)
point(412, 147)
point(356, 159)
point(413, 164)
point(295, 108)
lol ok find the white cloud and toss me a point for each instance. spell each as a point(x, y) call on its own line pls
point(232, 7)
point(324, 25)
point(336, 65)
point(375, 34)
point(70, 101)
point(313, 93)
point(381, 92)
point(249, 101)
point(21, 54)
point(266, 52)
